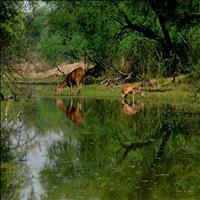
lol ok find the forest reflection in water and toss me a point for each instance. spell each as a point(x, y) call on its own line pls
point(107, 149)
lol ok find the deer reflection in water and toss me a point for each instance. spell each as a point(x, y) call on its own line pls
point(75, 114)
point(131, 109)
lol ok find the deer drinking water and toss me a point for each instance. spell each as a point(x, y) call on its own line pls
point(131, 88)
point(73, 78)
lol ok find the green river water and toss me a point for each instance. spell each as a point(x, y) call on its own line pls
point(95, 149)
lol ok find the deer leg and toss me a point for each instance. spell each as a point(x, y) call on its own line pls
point(79, 89)
point(124, 95)
point(71, 103)
point(79, 107)
point(71, 90)
point(133, 98)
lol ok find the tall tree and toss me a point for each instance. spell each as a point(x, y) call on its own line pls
point(169, 14)
point(14, 41)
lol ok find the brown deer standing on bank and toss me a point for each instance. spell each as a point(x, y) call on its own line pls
point(74, 114)
point(73, 78)
point(131, 88)
point(131, 109)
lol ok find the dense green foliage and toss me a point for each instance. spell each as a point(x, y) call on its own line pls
point(11, 28)
point(16, 46)
point(145, 37)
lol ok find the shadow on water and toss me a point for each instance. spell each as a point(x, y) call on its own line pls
point(105, 149)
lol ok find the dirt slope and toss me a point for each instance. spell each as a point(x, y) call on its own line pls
point(66, 68)
point(31, 70)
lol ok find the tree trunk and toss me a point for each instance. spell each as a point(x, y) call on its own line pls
point(1, 96)
point(169, 47)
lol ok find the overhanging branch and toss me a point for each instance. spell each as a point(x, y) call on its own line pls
point(145, 31)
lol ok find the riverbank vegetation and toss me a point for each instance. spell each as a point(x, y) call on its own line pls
point(151, 42)
point(126, 41)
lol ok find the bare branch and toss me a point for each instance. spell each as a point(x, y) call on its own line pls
point(145, 31)
point(183, 39)
point(120, 72)
point(59, 70)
